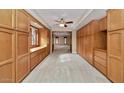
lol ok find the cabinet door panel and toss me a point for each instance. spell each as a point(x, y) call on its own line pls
point(22, 67)
point(103, 24)
point(115, 71)
point(7, 72)
point(115, 44)
point(22, 56)
point(115, 19)
point(7, 17)
point(34, 59)
point(7, 55)
point(22, 42)
point(90, 51)
point(22, 21)
point(100, 67)
point(115, 62)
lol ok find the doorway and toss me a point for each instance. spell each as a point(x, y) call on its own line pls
point(61, 41)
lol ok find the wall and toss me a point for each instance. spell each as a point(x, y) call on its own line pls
point(61, 40)
point(74, 42)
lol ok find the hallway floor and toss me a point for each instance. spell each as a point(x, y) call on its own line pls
point(64, 67)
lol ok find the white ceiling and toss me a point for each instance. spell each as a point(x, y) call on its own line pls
point(79, 16)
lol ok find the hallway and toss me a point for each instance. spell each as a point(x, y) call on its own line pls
point(61, 45)
point(64, 67)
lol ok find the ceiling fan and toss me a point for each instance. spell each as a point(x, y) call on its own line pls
point(63, 23)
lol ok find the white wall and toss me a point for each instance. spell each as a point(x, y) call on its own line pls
point(74, 42)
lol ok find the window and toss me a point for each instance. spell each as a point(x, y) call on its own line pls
point(57, 40)
point(34, 37)
point(65, 40)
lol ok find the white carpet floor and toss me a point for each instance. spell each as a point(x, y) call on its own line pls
point(64, 67)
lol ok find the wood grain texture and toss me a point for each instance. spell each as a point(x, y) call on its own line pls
point(86, 40)
point(7, 18)
point(22, 21)
point(115, 55)
point(7, 55)
point(22, 56)
point(115, 19)
point(103, 24)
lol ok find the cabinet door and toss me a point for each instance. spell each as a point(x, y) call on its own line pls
point(7, 17)
point(115, 19)
point(86, 47)
point(22, 21)
point(79, 46)
point(103, 24)
point(22, 56)
point(7, 56)
point(115, 62)
point(82, 47)
point(90, 49)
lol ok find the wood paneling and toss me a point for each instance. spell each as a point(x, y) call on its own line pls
point(91, 37)
point(22, 56)
point(7, 18)
point(22, 21)
point(85, 41)
point(15, 55)
point(7, 55)
point(100, 60)
point(103, 24)
point(115, 55)
point(100, 67)
point(115, 19)
point(37, 57)
point(100, 53)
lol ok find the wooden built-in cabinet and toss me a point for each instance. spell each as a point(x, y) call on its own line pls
point(7, 18)
point(116, 55)
point(7, 55)
point(115, 66)
point(115, 19)
point(92, 44)
point(22, 20)
point(100, 60)
point(15, 59)
point(85, 39)
point(22, 56)
point(103, 24)
point(37, 57)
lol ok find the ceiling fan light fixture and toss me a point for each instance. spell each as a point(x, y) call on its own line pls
point(61, 25)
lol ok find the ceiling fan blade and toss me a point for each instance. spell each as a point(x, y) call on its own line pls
point(69, 22)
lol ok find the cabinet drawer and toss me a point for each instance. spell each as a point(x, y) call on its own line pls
point(100, 61)
point(100, 68)
point(100, 54)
